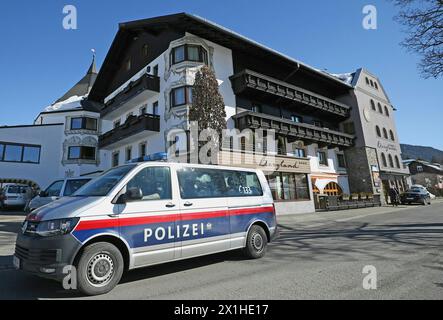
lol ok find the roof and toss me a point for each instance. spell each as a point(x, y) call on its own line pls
point(200, 27)
point(425, 163)
point(75, 98)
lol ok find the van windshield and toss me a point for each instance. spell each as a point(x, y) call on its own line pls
point(102, 185)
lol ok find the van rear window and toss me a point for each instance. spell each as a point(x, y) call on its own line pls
point(200, 183)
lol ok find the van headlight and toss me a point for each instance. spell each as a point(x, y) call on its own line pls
point(59, 227)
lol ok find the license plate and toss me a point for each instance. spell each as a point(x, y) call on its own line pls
point(16, 262)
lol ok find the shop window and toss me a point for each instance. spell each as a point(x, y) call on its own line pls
point(289, 186)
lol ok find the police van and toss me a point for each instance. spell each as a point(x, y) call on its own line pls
point(143, 214)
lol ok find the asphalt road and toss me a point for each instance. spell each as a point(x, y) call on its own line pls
point(317, 256)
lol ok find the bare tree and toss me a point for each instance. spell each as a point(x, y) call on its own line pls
point(423, 20)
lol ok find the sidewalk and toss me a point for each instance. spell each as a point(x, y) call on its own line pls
point(310, 220)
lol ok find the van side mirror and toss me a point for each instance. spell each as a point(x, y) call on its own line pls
point(132, 194)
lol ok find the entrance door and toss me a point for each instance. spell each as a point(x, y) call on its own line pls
point(148, 225)
point(204, 223)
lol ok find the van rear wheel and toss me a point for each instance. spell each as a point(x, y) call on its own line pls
point(99, 268)
point(256, 243)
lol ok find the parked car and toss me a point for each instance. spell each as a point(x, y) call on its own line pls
point(146, 214)
point(16, 195)
point(416, 195)
point(419, 186)
point(58, 189)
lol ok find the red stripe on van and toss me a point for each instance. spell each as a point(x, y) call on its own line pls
point(125, 222)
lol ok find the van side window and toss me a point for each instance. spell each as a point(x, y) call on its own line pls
point(211, 183)
point(154, 182)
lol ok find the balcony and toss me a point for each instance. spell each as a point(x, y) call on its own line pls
point(301, 131)
point(132, 129)
point(137, 92)
point(250, 82)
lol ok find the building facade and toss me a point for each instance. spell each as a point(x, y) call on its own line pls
point(429, 175)
point(374, 162)
point(145, 87)
point(61, 143)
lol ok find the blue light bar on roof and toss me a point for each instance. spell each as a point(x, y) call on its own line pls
point(160, 156)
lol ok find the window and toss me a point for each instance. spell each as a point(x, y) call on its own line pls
point(155, 108)
point(297, 119)
point(142, 151)
point(373, 105)
point(419, 168)
point(385, 133)
point(372, 83)
point(143, 109)
point(377, 129)
point(256, 108)
point(153, 182)
point(20, 153)
point(367, 81)
point(73, 185)
point(322, 159)
point(375, 85)
point(128, 154)
point(81, 153)
point(181, 96)
point(341, 160)
point(128, 65)
point(54, 189)
point(391, 133)
point(155, 70)
point(349, 128)
point(115, 159)
point(397, 162)
point(31, 154)
point(13, 153)
point(298, 152)
point(318, 123)
point(386, 111)
point(145, 50)
point(380, 109)
point(187, 52)
point(84, 124)
point(391, 162)
point(196, 183)
point(383, 160)
point(289, 186)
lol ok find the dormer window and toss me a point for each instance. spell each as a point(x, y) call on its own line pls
point(189, 52)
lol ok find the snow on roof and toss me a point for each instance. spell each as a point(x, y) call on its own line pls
point(71, 103)
point(345, 77)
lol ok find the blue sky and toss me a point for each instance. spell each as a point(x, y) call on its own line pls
point(40, 60)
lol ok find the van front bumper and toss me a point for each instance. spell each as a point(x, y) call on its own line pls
point(46, 257)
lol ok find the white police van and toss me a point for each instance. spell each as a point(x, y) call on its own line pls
point(147, 213)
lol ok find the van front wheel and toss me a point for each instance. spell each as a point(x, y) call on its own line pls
point(99, 268)
point(256, 243)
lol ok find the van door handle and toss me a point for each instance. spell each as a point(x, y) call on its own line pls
point(113, 215)
point(188, 204)
point(170, 205)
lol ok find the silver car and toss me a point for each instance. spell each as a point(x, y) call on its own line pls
point(57, 190)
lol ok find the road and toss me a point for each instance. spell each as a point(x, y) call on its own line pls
point(317, 256)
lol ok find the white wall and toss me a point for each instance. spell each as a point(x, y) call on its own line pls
point(50, 140)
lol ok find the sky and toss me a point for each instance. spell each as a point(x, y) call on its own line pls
point(40, 60)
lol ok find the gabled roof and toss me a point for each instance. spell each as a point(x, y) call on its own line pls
point(83, 87)
point(201, 27)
